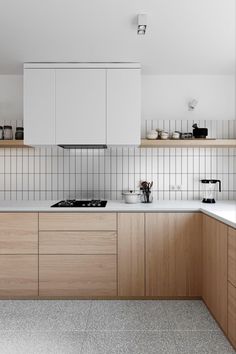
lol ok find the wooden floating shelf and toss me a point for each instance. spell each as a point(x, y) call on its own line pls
point(145, 143)
point(13, 144)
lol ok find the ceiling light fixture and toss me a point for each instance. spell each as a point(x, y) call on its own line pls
point(142, 24)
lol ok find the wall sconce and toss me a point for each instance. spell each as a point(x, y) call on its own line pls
point(142, 24)
point(192, 104)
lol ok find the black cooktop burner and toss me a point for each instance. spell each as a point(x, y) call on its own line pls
point(80, 204)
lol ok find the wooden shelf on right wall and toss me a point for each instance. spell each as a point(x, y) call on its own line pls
point(201, 143)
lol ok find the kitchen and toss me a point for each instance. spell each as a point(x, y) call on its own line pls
point(117, 208)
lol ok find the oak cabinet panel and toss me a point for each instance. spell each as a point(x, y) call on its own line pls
point(18, 233)
point(232, 255)
point(77, 221)
point(18, 275)
point(77, 242)
point(215, 268)
point(131, 267)
point(77, 275)
point(173, 254)
point(232, 313)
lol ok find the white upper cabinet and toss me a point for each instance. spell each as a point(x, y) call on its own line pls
point(81, 106)
point(123, 106)
point(39, 106)
point(94, 104)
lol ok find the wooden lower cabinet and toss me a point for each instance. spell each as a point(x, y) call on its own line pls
point(215, 252)
point(77, 275)
point(232, 255)
point(18, 233)
point(77, 242)
point(77, 221)
point(131, 264)
point(173, 254)
point(232, 313)
point(18, 275)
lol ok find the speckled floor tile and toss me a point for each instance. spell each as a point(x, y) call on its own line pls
point(41, 342)
point(202, 342)
point(129, 342)
point(44, 315)
point(189, 315)
point(127, 315)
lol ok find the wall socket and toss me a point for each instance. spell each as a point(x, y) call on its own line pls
point(176, 187)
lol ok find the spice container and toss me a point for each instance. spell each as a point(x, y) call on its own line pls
point(8, 133)
point(1, 133)
point(19, 135)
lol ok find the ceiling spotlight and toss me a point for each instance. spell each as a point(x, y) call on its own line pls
point(142, 24)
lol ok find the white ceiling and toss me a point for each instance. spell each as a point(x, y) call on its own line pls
point(183, 36)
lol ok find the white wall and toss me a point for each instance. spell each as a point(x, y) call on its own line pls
point(167, 97)
point(11, 97)
point(163, 97)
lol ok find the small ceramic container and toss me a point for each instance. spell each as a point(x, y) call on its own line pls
point(164, 135)
point(131, 197)
point(152, 135)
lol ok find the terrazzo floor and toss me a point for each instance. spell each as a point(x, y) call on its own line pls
point(109, 327)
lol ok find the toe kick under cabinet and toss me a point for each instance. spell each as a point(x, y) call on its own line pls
point(77, 254)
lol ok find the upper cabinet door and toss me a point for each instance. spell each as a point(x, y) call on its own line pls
point(39, 106)
point(123, 106)
point(80, 106)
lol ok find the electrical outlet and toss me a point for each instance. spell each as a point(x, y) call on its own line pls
point(177, 187)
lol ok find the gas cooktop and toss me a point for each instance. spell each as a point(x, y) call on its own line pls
point(80, 204)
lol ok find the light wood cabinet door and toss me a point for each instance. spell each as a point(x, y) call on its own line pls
point(77, 275)
point(173, 254)
point(131, 254)
point(18, 275)
point(215, 268)
point(232, 313)
point(77, 221)
point(232, 255)
point(18, 233)
point(77, 242)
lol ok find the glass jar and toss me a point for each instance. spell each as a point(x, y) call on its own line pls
point(19, 135)
point(8, 133)
point(1, 132)
point(146, 196)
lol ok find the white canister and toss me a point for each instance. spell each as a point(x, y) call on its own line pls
point(164, 135)
point(152, 135)
point(131, 197)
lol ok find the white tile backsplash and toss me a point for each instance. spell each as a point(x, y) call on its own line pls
point(54, 173)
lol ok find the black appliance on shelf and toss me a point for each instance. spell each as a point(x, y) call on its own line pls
point(199, 133)
point(209, 191)
point(68, 203)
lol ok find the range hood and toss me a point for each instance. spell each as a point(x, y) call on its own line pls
point(84, 146)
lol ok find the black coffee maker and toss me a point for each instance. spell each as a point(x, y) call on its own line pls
point(209, 190)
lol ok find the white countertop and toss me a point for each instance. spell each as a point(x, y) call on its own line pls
point(224, 211)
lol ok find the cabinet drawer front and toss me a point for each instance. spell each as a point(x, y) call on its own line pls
point(77, 221)
point(232, 313)
point(18, 233)
point(18, 275)
point(73, 275)
point(232, 255)
point(77, 242)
